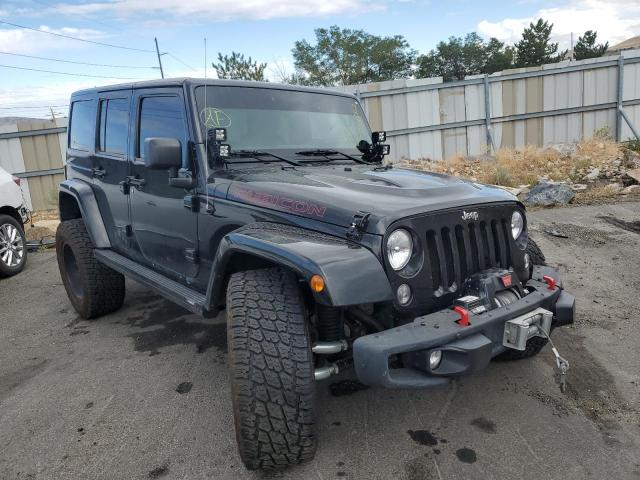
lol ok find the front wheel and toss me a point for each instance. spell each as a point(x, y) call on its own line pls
point(13, 246)
point(271, 369)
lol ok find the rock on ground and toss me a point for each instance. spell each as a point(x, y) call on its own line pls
point(549, 194)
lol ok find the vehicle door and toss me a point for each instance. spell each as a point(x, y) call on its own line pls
point(164, 225)
point(111, 165)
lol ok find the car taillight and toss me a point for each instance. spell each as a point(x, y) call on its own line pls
point(16, 180)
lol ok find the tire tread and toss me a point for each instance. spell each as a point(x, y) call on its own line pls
point(104, 288)
point(271, 368)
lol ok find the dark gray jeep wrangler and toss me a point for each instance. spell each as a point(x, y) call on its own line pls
point(274, 203)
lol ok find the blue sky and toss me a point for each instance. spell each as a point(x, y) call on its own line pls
point(264, 29)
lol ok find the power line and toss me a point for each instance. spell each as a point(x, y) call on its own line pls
point(74, 62)
point(14, 107)
point(76, 38)
point(183, 63)
point(70, 74)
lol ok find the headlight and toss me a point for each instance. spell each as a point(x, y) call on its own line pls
point(399, 249)
point(517, 224)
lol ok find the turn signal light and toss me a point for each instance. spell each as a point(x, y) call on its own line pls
point(317, 283)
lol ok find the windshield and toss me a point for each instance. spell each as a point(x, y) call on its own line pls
point(271, 119)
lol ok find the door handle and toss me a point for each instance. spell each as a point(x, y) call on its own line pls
point(98, 172)
point(136, 182)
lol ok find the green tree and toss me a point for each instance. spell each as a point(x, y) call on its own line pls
point(586, 46)
point(534, 48)
point(347, 57)
point(460, 57)
point(499, 57)
point(236, 67)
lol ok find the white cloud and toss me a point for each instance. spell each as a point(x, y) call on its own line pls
point(51, 94)
point(613, 20)
point(16, 40)
point(221, 10)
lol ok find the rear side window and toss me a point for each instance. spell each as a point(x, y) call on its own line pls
point(83, 120)
point(160, 117)
point(114, 125)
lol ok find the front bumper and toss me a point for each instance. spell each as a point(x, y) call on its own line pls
point(465, 349)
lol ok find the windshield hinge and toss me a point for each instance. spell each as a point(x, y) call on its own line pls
point(358, 225)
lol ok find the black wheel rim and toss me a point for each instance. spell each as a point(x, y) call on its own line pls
point(72, 271)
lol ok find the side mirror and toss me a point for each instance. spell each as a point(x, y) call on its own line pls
point(162, 153)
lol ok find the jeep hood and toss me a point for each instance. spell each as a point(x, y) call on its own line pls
point(335, 194)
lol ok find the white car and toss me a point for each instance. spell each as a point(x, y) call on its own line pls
point(13, 215)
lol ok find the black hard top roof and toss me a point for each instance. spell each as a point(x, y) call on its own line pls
point(191, 82)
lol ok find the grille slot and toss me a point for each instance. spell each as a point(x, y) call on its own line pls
point(456, 251)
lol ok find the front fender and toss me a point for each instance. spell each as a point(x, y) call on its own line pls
point(87, 207)
point(353, 275)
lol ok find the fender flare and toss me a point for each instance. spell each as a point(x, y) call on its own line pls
point(353, 275)
point(88, 208)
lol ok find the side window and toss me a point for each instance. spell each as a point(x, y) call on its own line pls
point(160, 117)
point(114, 125)
point(83, 119)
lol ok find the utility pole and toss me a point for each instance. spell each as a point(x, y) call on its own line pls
point(573, 55)
point(159, 59)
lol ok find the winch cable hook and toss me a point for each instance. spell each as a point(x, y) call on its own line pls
point(561, 363)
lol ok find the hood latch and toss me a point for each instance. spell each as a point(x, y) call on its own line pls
point(358, 225)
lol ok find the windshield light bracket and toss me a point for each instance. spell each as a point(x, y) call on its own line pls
point(218, 151)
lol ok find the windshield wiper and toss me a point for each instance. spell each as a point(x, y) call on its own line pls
point(260, 153)
point(328, 153)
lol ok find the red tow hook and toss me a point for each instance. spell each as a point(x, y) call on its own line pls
point(463, 321)
point(551, 282)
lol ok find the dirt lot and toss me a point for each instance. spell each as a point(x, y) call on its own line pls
point(143, 393)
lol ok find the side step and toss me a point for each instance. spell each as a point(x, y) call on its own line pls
point(169, 289)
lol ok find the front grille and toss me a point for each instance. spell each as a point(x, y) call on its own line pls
point(457, 250)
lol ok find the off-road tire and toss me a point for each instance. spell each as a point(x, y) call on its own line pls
point(534, 344)
point(535, 254)
point(5, 269)
point(271, 369)
point(93, 288)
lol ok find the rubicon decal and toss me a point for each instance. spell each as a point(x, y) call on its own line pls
point(301, 207)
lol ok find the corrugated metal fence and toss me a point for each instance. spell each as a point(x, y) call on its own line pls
point(556, 103)
point(34, 151)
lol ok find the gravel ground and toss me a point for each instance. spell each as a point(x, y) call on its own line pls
point(143, 393)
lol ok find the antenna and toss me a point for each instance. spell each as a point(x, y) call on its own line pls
point(206, 133)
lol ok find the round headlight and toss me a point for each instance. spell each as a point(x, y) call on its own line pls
point(399, 248)
point(517, 224)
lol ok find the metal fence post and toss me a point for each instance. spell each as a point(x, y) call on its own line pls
point(619, 98)
point(487, 114)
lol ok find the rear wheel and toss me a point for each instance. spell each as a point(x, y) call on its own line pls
point(93, 288)
point(13, 246)
point(271, 369)
point(534, 344)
